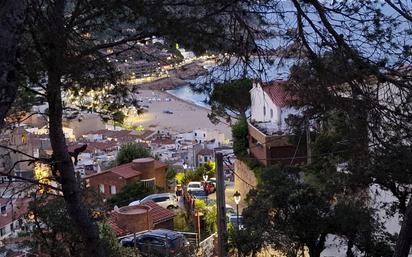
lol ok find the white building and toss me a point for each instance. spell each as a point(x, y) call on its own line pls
point(201, 136)
point(269, 109)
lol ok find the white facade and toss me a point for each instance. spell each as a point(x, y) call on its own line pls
point(203, 135)
point(264, 110)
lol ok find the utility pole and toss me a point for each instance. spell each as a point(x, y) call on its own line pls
point(221, 207)
point(308, 150)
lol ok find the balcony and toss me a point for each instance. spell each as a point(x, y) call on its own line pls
point(268, 134)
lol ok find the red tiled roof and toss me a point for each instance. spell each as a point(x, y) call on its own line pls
point(159, 164)
point(163, 141)
point(277, 93)
point(158, 213)
point(93, 146)
point(205, 151)
point(126, 171)
point(112, 221)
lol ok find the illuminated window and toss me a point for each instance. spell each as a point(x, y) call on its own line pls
point(113, 190)
point(101, 188)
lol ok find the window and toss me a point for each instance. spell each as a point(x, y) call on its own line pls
point(101, 188)
point(205, 158)
point(113, 190)
point(160, 199)
point(204, 135)
point(12, 226)
point(3, 209)
point(2, 231)
point(264, 110)
point(195, 134)
point(271, 113)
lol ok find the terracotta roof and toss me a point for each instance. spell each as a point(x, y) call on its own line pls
point(205, 151)
point(163, 141)
point(125, 171)
point(159, 164)
point(112, 221)
point(158, 213)
point(93, 146)
point(121, 134)
point(277, 93)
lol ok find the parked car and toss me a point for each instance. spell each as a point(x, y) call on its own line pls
point(230, 211)
point(194, 186)
point(209, 187)
point(167, 111)
point(166, 200)
point(199, 194)
point(158, 242)
point(233, 219)
point(214, 181)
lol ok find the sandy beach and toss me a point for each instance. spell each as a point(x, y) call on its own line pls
point(166, 112)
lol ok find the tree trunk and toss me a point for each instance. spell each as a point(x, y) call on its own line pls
point(64, 165)
point(313, 251)
point(12, 15)
point(76, 208)
point(403, 244)
point(349, 252)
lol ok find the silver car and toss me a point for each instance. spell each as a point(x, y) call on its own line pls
point(166, 200)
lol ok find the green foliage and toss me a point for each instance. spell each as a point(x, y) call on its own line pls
point(129, 193)
point(111, 243)
point(129, 152)
point(180, 177)
point(230, 100)
point(287, 212)
point(63, 239)
point(244, 242)
point(200, 205)
point(54, 231)
point(208, 168)
point(118, 116)
point(240, 138)
point(211, 219)
point(182, 222)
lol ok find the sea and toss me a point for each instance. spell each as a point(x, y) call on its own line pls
point(197, 90)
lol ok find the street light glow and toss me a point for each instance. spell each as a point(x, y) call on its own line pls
point(236, 196)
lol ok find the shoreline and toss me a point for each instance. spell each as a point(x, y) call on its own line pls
point(185, 100)
point(168, 112)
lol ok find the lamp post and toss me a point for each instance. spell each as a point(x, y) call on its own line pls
point(236, 196)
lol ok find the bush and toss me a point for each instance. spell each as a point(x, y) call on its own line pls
point(129, 193)
point(240, 138)
point(131, 151)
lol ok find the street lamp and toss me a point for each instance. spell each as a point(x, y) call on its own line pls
point(205, 177)
point(236, 196)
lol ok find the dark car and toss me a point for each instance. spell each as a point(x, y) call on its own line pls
point(159, 242)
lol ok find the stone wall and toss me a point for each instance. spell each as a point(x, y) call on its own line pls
point(243, 171)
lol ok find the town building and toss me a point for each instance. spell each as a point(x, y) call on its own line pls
point(132, 219)
point(149, 171)
point(268, 130)
point(12, 218)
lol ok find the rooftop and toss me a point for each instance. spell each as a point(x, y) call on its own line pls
point(277, 93)
point(158, 213)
